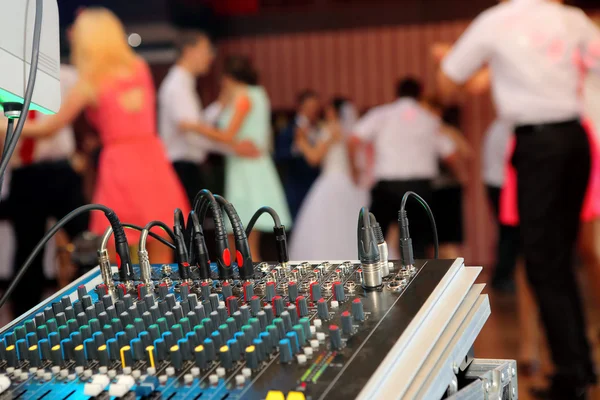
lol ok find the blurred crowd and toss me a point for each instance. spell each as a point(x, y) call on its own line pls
point(316, 168)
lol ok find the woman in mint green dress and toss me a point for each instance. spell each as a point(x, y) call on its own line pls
point(250, 183)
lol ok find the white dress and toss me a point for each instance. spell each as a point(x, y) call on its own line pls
point(326, 223)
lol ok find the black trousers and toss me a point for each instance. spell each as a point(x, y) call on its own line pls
point(386, 197)
point(508, 244)
point(37, 193)
point(553, 167)
point(191, 177)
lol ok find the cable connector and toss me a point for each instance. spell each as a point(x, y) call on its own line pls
point(181, 252)
point(406, 248)
point(368, 252)
point(198, 247)
point(382, 246)
point(281, 246)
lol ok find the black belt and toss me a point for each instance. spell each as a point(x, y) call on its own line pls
point(522, 129)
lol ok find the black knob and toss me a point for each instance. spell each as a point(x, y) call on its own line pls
point(214, 301)
point(70, 313)
point(95, 325)
point(98, 339)
point(176, 359)
point(222, 311)
point(262, 318)
point(232, 324)
point(113, 349)
point(268, 341)
point(209, 347)
point(184, 290)
point(161, 349)
point(208, 325)
point(193, 318)
point(147, 318)
point(185, 349)
point(66, 302)
point(269, 311)
point(193, 300)
point(217, 339)
point(299, 330)
point(146, 339)
point(55, 355)
point(186, 325)
point(224, 333)
point(338, 292)
point(335, 337)
point(322, 309)
point(53, 338)
point(200, 312)
point(107, 301)
point(241, 338)
point(128, 299)
point(44, 346)
point(261, 349)
point(293, 341)
point(11, 356)
point(49, 313)
point(154, 332)
point(171, 301)
point(315, 291)
point(280, 327)
point(346, 323)
point(232, 304)
point(130, 333)
point(227, 290)
point(138, 349)
point(163, 291)
point(285, 351)
point(287, 321)
point(278, 305)
point(251, 357)
point(89, 348)
point(81, 291)
point(249, 293)
point(245, 310)
point(292, 291)
point(29, 327)
point(274, 334)
point(255, 304)
point(305, 322)
point(61, 319)
point(235, 349)
point(169, 339)
point(170, 317)
point(357, 310)
point(200, 357)
point(255, 324)
point(149, 300)
point(103, 356)
point(225, 357)
point(302, 306)
point(293, 313)
point(34, 356)
point(270, 291)
point(90, 312)
point(177, 312)
point(80, 360)
point(205, 290)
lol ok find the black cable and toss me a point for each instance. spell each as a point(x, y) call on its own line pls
point(154, 235)
point(117, 231)
point(403, 219)
point(242, 247)
point(181, 253)
point(35, 53)
point(368, 252)
point(203, 202)
point(162, 225)
point(198, 250)
point(9, 134)
point(278, 229)
point(258, 214)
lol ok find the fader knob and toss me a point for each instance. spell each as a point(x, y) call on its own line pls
point(302, 306)
point(335, 337)
point(338, 291)
point(285, 351)
point(346, 323)
point(322, 309)
point(176, 359)
point(357, 310)
point(200, 354)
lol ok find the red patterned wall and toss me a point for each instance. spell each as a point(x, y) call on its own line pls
point(364, 64)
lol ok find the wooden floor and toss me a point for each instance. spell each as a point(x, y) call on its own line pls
point(499, 338)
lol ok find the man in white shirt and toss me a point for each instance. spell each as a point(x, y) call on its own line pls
point(529, 47)
point(179, 103)
point(408, 143)
point(43, 185)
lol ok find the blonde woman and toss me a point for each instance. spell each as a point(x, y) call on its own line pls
point(116, 90)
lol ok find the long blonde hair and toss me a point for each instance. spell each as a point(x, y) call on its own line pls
point(99, 46)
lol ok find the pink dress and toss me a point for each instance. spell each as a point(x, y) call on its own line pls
point(509, 211)
point(135, 178)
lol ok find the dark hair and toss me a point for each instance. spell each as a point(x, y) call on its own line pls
point(188, 38)
point(452, 116)
point(240, 68)
point(409, 87)
point(337, 103)
point(306, 94)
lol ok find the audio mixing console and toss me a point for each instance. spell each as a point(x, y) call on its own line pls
point(298, 331)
